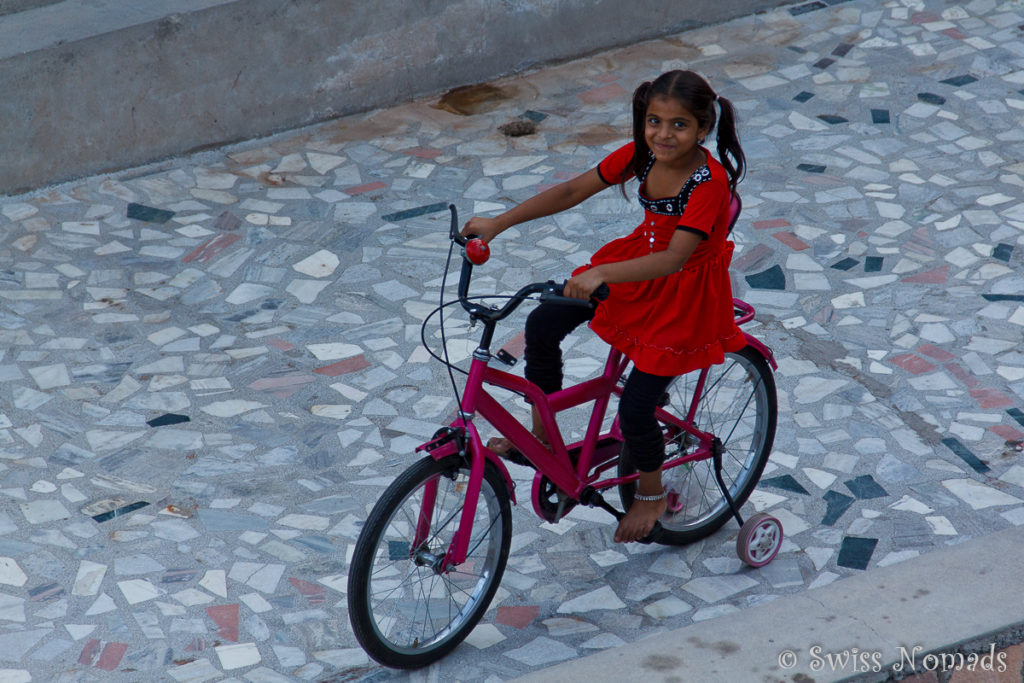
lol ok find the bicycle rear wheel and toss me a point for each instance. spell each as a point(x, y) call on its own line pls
point(405, 609)
point(738, 405)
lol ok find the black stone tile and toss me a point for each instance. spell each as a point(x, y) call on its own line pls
point(123, 510)
point(1017, 414)
point(865, 487)
point(797, 49)
point(880, 116)
point(965, 454)
point(786, 482)
point(46, 592)
point(842, 49)
point(856, 552)
point(413, 213)
point(535, 116)
point(227, 222)
point(1003, 252)
point(181, 575)
point(167, 419)
point(960, 81)
point(845, 264)
point(832, 119)
point(1003, 297)
point(838, 503)
point(141, 212)
point(803, 96)
point(873, 264)
point(805, 8)
point(824, 63)
point(811, 168)
point(931, 98)
point(773, 278)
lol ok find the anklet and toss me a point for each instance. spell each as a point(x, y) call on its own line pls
point(649, 499)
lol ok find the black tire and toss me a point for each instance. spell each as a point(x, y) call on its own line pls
point(739, 406)
point(404, 613)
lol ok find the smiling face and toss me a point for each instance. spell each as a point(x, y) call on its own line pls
point(672, 133)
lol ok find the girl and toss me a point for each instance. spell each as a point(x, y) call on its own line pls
point(670, 304)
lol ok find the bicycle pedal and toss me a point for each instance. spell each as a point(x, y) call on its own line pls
point(514, 456)
point(506, 357)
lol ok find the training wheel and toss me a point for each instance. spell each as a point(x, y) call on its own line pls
point(759, 540)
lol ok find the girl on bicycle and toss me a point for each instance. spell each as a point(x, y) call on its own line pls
point(670, 304)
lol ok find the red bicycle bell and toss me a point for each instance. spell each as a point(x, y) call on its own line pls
point(477, 251)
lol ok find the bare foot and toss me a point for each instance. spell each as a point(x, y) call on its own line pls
point(639, 520)
point(500, 445)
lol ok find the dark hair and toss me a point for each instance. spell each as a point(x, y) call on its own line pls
point(694, 93)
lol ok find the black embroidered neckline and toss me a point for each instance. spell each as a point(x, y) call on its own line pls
point(672, 206)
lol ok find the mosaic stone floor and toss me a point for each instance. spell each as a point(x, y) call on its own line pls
point(209, 367)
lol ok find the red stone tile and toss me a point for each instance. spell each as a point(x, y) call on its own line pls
point(226, 618)
point(603, 94)
point(954, 33)
point(750, 257)
point(280, 344)
point(342, 367)
point(772, 223)
point(1007, 433)
point(516, 345)
point(212, 248)
point(363, 189)
point(912, 363)
point(517, 617)
point(935, 352)
point(969, 380)
point(991, 399)
point(791, 240)
point(111, 656)
point(938, 276)
point(197, 645)
point(313, 593)
point(924, 18)
point(606, 78)
point(89, 652)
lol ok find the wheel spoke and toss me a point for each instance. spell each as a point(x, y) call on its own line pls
point(737, 405)
point(405, 610)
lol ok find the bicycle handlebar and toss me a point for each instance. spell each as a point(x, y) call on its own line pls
point(549, 291)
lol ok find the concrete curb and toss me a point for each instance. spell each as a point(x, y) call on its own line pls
point(93, 86)
point(970, 594)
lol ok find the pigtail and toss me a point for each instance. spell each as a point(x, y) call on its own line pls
point(729, 144)
point(641, 153)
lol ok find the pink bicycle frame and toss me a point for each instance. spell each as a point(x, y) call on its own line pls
point(570, 475)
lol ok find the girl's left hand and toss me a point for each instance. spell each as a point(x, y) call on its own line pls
point(582, 286)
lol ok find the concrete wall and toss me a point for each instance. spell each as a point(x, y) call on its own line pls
point(91, 86)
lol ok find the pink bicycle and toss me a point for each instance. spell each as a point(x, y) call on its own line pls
point(433, 549)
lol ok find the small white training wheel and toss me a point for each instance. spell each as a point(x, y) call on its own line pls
point(759, 540)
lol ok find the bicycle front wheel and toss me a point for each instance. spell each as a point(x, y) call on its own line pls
point(738, 404)
point(406, 609)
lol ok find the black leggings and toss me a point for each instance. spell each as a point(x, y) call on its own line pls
point(546, 327)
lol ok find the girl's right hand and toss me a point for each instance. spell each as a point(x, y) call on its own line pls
point(484, 228)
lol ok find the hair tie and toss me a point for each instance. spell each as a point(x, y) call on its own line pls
point(716, 97)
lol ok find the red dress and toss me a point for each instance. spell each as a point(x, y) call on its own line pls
point(684, 321)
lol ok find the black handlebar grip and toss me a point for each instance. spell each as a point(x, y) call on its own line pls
point(601, 293)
